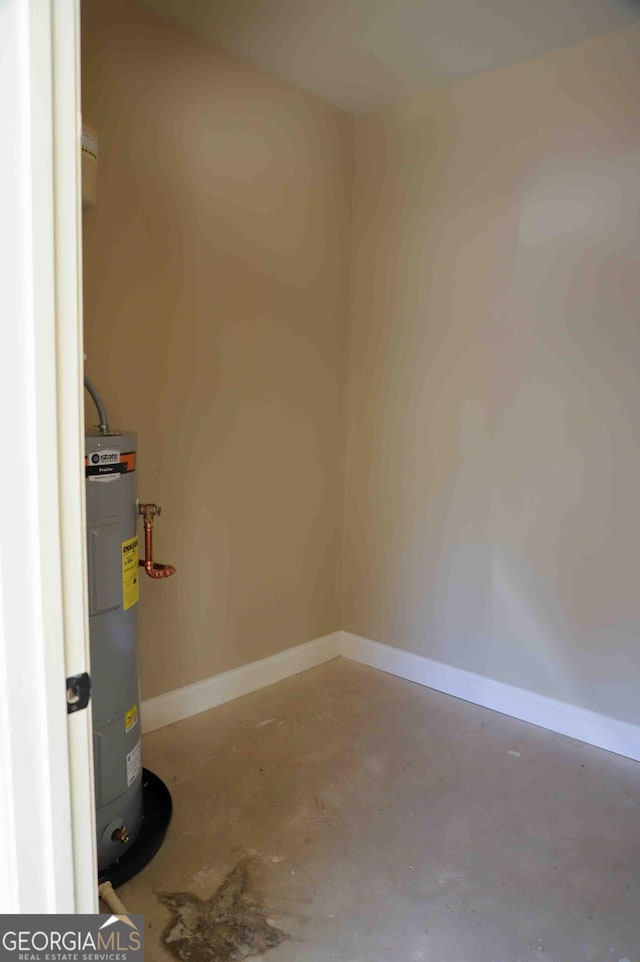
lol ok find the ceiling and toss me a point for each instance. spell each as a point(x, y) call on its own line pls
point(365, 54)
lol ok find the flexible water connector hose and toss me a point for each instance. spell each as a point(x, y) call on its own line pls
point(100, 408)
point(153, 568)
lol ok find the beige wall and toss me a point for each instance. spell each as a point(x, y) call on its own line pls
point(493, 465)
point(216, 264)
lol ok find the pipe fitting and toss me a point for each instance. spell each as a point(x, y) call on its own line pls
point(153, 568)
point(111, 900)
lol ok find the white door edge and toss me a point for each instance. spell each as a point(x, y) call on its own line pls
point(47, 860)
point(70, 418)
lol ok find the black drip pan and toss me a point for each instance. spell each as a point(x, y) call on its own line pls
point(158, 807)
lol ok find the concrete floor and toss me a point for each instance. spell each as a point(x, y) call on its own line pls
point(373, 820)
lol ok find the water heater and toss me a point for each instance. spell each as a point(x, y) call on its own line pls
point(133, 807)
point(112, 560)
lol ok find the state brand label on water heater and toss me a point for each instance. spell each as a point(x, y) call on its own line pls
point(130, 583)
point(101, 463)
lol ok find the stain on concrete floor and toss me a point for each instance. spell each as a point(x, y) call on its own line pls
point(228, 926)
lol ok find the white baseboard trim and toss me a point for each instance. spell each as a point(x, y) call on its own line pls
point(587, 726)
point(183, 702)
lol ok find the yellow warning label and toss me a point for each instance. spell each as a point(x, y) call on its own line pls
point(131, 719)
point(130, 586)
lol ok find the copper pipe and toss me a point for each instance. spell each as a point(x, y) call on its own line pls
point(153, 568)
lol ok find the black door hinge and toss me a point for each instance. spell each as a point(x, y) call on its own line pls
point(78, 692)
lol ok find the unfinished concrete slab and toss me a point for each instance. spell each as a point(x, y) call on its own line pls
point(363, 818)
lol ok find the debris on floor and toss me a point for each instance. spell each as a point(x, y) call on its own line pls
point(228, 926)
